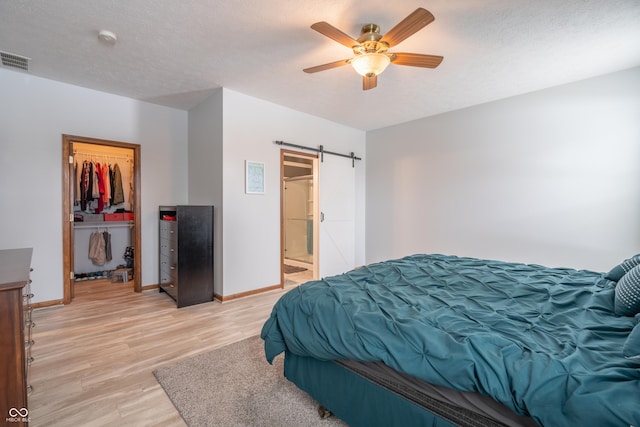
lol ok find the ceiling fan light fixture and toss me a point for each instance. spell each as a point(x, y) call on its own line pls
point(370, 63)
point(371, 49)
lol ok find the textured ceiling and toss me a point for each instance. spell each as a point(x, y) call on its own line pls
point(176, 53)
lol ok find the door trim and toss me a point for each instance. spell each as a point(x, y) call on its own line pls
point(67, 211)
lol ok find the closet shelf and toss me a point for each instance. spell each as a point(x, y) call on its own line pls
point(103, 224)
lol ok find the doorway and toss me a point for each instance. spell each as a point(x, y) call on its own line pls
point(299, 214)
point(123, 214)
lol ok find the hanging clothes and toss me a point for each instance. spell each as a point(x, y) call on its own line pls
point(78, 183)
point(111, 184)
point(89, 181)
point(131, 189)
point(76, 195)
point(106, 196)
point(107, 246)
point(95, 190)
point(90, 174)
point(100, 186)
point(97, 251)
point(118, 192)
point(85, 183)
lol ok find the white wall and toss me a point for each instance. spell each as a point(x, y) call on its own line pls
point(251, 248)
point(549, 177)
point(34, 113)
point(205, 169)
point(182, 159)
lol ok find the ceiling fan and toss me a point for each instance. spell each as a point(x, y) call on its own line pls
point(370, 49)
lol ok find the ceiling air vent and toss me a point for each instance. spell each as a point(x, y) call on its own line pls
point(14, 61)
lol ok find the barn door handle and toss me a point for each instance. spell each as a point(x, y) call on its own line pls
point(321, 216)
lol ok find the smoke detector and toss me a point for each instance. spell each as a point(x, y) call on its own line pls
point(107, 37)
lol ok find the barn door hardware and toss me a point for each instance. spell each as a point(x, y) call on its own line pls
point(322, 152)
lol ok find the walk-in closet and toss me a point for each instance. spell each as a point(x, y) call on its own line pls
point(103, 211)
point(103, 203)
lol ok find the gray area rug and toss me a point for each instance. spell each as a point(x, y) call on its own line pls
point(235, 386)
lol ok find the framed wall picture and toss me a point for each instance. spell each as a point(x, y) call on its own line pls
point(254, 177)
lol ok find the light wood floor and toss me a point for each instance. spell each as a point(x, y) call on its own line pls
point(94, 357)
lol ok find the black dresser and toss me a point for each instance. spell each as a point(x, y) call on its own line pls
point(186, 253)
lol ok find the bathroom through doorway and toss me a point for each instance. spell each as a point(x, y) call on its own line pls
point(299, 217)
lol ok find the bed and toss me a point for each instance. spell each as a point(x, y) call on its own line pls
point(443, 340)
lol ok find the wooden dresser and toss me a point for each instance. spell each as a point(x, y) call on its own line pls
point(15, 335)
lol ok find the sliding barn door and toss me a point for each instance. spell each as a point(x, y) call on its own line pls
point(337, 207)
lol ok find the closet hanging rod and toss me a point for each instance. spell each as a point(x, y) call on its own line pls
point(322, 152)
point(111, 156)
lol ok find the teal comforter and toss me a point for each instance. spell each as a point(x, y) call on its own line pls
point(543, 341)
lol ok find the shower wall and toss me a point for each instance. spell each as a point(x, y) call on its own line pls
point(298, 219)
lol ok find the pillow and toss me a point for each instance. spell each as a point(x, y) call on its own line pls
point(632, 344)
point(627, 293)
point(621, 269)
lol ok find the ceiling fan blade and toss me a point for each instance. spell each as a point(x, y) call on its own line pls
point(416, 60)
point(417, 20)
point(328, 66)
point(369, 82)
point(332, 32)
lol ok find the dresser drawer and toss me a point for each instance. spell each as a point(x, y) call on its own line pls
point(168, 228)
point(168, 263)
point(168, 247)
point(171, 289)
